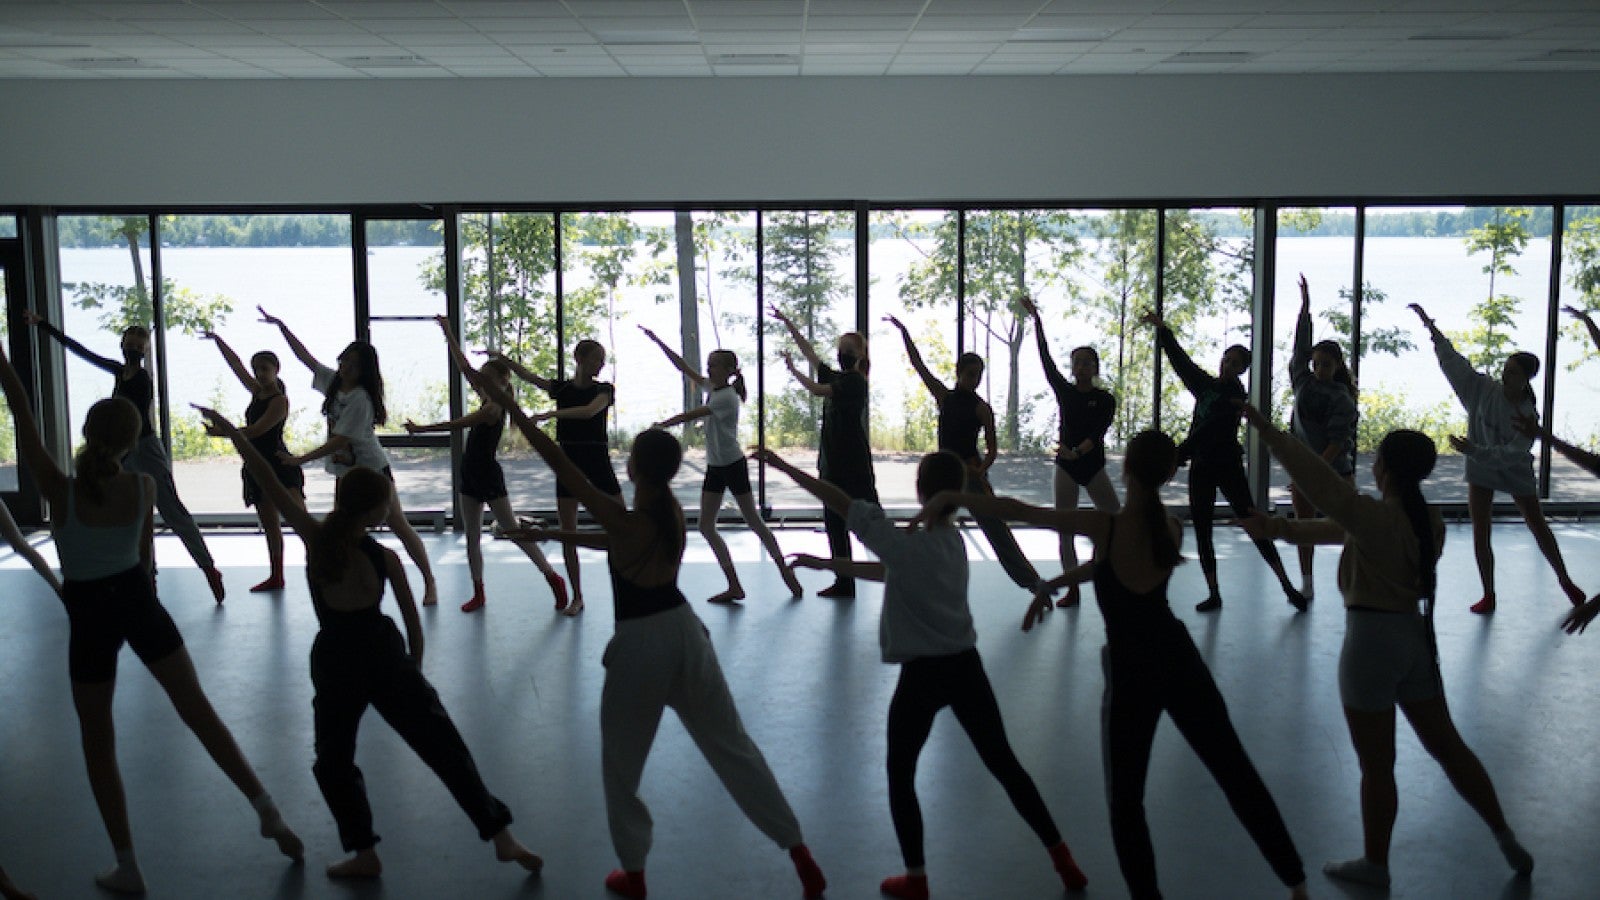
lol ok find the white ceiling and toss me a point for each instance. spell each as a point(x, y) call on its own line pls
point(685, 38)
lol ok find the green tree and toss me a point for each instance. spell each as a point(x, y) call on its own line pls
point(1581, 244)
point(1487, 343)
point(123, 305)
point(805, 279)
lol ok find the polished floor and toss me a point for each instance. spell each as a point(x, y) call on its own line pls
point(523, 685)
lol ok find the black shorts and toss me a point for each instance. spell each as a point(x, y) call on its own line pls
point(290, 477)
point(107, 612)
point(1083, 469)
point(734, 477)
point(594, 461)
point(483, 481)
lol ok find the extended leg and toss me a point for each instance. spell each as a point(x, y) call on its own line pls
point(1533, 515)
point(1480, 506)
point(414, 548)
point(710, 505)
point(752, 518)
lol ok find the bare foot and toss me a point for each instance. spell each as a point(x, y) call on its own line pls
point(365, 864)
point(288, 842)
point(430, 595)
point(508, 849)
point(793, 584)
point(122, 880)
point(729, 597)
point(573, 608)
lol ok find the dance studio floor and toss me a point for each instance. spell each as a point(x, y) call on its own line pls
point(523, 685)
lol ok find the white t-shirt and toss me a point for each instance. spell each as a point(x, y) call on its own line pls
point(722, 431)
point(925, 609)
point(350, 416)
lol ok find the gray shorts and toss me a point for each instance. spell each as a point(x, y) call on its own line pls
point(1386, 660)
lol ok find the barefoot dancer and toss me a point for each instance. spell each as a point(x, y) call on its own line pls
point(1151, 665)
point(1387, 570)
point(1084, 412)
point(482, 479)
point(358, 660)
point(1216, 458)
point(927, 628)
point(1499, 457)
point(264, 420)
point(1324, 415)
point(726, 467)
point(148, 456)
point(660, 656)
point(353, 408)
point(582, 405)
point(102, 523)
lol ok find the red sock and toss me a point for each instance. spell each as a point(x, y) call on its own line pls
point(1071, 875)
point(628, 884)
point(1484, 607)
point(811, 879)
point(558, 586)
point(906, 887)
point(477, 601)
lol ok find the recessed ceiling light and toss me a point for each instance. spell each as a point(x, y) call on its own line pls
point(1210, 56)
point(1460, 35)
point(386, 62)
point(1035, 35)
point(107, 62)
point(755, 59)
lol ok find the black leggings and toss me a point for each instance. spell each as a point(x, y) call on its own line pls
point(926, 686)
point(362, 663)
point(838, 532)
point(1173, 677)
point(1206, 478)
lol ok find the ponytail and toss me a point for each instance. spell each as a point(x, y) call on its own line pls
point(110, 429)
point(359, 492)
point(736, 381)
point(735, 377)
point(93, 466)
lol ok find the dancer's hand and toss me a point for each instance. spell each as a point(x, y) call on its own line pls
point(1421, 314)
point(542, 416)
point(209, 335)
point(1579, 619)
point(1256, 523)
point(895, 321)
point(411, 427)
point(1255, 417)
point(1305, 292)
point(31, 317)
point(268, 318)
point(1581, 315)
point(1153, 319)
point(1028, 306)
point(217, 425)
point(808, 561)
point(1461, 445)
point(1038, 607)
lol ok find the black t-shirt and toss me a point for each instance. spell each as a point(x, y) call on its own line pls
point(140, 390)
point(846, 449)
point(581, 431)
point(958, 423)
point(1085, 414)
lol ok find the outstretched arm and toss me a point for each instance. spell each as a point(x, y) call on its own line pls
point(463, 365)
point(836, 500)
point(1464, 380)
point(240, 370)
point(805, 347)
point(1052, 374)
point(811, 385)
point(1584, 316)
point(594, 540)
point(487, 412)
point(30, 446)
point(19, 543)
point(521, 371)
point(935, 387)
point(1300, 359)
point(84, 353)
point(687, 370)
point(1086, 522)
point(288, 504)
point(699, 412)
point(868, 571)
point(300, 351)
point(1533, 428)
point(609, 513)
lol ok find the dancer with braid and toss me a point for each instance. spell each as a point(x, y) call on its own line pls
point(148, 456)
point(583, 406)
point(926, 627)
point(264, 419)
point(482, 479)
point(353, 408)
point(1084, 413)
point(103, 527)
point(1151, 664)
point(1388, 572)
point(358, 660)
point(726, 466)
point(1324, 415)
point(1499, 457)
point(1216, 458)
point(660, 655)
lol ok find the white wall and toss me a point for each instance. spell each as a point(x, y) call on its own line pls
point(883, 139)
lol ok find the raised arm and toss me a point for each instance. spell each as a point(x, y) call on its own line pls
point(805, 347)
point(863, 569)
point(30, 446)
point(84, 353)
point(1327, 490)
point(300, 351)
point(519, 370)
point(1300, 359)
point(609, 513)
point(457, 356)
point(1584, 316)
point(1193, 377)
point(1091, 523)
point(836, 500)
point(935, 387)
point(811, 385)
point(677, 360)
point(240, 370)
point(1052, 374)
point(1464, 380)
point(288, 504)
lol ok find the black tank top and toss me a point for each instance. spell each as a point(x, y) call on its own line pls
point(1132, 619)
point(483, 439)
point(635, 601)
point(271, 442)
point(958, 423)
point(332, 618)
point(139, 390)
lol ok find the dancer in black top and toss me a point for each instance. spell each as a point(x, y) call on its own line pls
point(1084, 413)
point(660, 655)
point(148, 456)
point(359, 659)
point(962, 416)
point(482, 479)
point(1151, 664)
point(844, 458)
point(1215, 456)
point(264, 419)
point(582, 409)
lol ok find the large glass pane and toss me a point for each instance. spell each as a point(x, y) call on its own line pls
point(1317, 243)
point(1208, 271)
point(8, 431)
point(1576, 415)
point(912, 259)
point(218, 270)
point(1482, 273)
point(8, 225)
point(809, 262)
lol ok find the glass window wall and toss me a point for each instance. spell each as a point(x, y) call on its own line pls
point(1575, 415)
